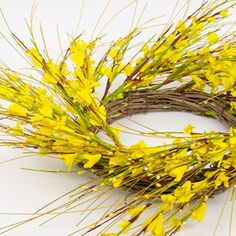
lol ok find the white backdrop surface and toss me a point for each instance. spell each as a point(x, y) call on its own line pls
point(24, 191)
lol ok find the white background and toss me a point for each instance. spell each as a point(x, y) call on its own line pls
point(24, 191)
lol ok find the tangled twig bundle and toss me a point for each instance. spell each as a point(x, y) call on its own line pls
point(189, 67)
point(146, 100)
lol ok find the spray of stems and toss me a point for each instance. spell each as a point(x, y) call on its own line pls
point(59, 114)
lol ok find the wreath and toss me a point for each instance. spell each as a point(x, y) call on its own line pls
point(188, 67)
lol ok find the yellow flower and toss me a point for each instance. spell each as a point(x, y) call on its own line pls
point(204, 51)
point(138, 60)
point(183, 193)
point(210, 75)
point(17, 130)
point(228, 82)
point(35, 57)
point(92, 159)
point(181, 26)
point(128, 69)
point(52, 75)
point(46, 111)
point(69, 159)
point(116, 132)
point(84, 96)
point(48, 78)
point(174, 222)
point(176, 57)
point(138, 150)
point(178, 172)
point(212, 38)
point(6, 92)
point(136, 211)
point(125, 225)
point(200, 212)
point(118, 160)
point(117, 181)
point(168, 201)
point(17, 110)
point(145, 49)
point(78, 52)
point(156, 225)
point(232, 141)
point(222, 178)
point(105, 70)
point(168, 198)
point(224, 13)
point(199, 186)
point(113, 52)
point(199, 83)
point(211, 19)
point(98, 117)
point(137, 171)
point(149, 219)
point(217, 155)
point(188, 129)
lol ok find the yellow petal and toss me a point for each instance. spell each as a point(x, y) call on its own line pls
point(125, 225)
point(92, 159)
point(212, 38)
point(117, 181)
point(224, 13)
point(137, 210)
point(113, 52)
point(232, 141)
point(178, 172)
point(200, 212)
point(46, 111)
point(128, 70)
point(69, 159)
point(157, 226)
point(228, 82)
point(16, 109)
point(188, 129)
point(35, 57)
